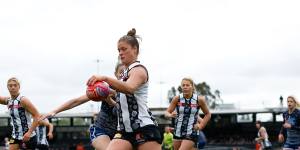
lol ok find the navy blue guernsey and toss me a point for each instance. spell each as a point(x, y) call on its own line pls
point(107, 117)
point(293, 134)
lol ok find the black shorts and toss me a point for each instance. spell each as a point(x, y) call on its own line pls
point(142, 135)
point(193, 137)
point(31, 144)
point(42, 147)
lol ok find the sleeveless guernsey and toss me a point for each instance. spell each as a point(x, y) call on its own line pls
point(133, 112)
point(187, 115)
point(20, 118)
point(41, 135)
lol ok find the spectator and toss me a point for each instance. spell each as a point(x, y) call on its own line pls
point(168, 139)
point(263, 138)
point(80, 146)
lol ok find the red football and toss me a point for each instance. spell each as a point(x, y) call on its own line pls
point(98, 92)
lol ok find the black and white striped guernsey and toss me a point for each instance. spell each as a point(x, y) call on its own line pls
point(41, 134)
point(187, 115)
point(20, 119)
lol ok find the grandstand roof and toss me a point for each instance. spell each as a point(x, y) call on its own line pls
point(160, 111)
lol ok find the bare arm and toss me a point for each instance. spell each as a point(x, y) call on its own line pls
point(71, 104)
point(297, 125)
point(109, 100)
point(199, 119)
point(25, 102)
point(197, 125)
point(66, 106)
point(170, 111)
point(50, 127)
point(137, 76)
point(262, 132)
point(281, 134)
point(3, 100)
point(282, 130)
point(205, 110)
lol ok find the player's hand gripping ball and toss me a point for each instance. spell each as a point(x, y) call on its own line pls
point(98, 92)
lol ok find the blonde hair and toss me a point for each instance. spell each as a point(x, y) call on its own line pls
point(191, 81)
point(294, 99)
point(13, 79)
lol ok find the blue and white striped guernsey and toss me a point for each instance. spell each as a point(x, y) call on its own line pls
point(20, 119)
point(187, 115)
point(133, 112)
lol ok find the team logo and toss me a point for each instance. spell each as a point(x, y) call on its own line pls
point(24, 146)
point(11, 141)
point(139, 138)
point(118, 136)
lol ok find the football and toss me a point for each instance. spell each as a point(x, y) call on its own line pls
point(98, 91)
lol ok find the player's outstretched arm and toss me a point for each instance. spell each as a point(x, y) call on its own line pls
point(66, 106)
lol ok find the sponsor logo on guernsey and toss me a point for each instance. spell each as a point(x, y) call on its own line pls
point(183, 104)
point(14, 106)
